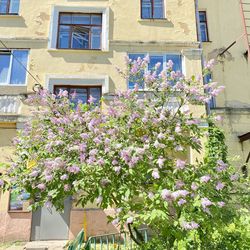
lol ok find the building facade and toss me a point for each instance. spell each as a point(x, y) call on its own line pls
point(225, 37)
point(76, 45)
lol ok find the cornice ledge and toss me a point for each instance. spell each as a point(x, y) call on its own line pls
point(24, 39)
point(156, 43)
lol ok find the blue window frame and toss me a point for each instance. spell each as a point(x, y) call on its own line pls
point(9, 7)
point(203, 26)
point(152, 9)
point(12, 67)
point(154, 59)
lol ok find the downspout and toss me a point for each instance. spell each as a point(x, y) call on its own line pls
point(200, 44)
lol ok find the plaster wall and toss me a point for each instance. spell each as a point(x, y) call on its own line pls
point(232, 70)
point(127, 33)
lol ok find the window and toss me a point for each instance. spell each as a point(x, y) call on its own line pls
point(9, 7)
point(12, 67)
point(82, 93)
point(153, 59)
point(151, 9)
point(203, 26)
point(79, 31)
point(18, 201)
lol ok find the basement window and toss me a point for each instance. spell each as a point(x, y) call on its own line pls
point(19, 201)
point(9, 7)
point(13, 64)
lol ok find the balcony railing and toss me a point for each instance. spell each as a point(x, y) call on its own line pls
point(10, 104)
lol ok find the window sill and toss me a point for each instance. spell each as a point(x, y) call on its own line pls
point(10, 15)
point(154, 20)
point(18, 211)
point(12, 85)
point(77, 50)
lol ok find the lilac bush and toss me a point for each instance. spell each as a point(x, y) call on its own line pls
point(132, 156)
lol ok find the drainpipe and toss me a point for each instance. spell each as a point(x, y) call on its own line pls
point(200, 43)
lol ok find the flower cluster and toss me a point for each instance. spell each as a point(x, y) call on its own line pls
point(133, 155)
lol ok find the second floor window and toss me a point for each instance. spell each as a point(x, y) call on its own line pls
point(9, 7)
point(12, 67)
point(152, 9)
point(82, 93)
point(203, 26)
point(153, 59)
point(79, 31)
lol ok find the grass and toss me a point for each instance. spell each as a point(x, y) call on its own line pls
point(7, 245)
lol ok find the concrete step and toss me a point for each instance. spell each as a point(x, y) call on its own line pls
point(45, 245)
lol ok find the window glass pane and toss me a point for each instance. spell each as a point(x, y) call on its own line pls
point(3, 6)
point(208, 78)
point(18, 201)
point(18, 72)
point(14, 6)
point(64, 33)
point(96, 93)
point(135, 56)
point(80, 37)
point(134, 80)
point(146, 9)
point(4, 67)
point(65, 19)
point(158, 8)
point(57, 89)
point(96, 19)
point(176, 59)
point(80, 95)
point(96, 37)
point(202, 16)
point(154, 60)
point(80, 19)
point(203, 29)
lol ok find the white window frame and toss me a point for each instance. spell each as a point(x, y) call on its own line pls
point(79, 9)
point(8, 83)
point(164, 59)
point(78, 80)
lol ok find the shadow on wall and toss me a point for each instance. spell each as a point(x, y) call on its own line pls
point(94, 221)
point(6, 148)
point(83, 56)
point(13, 21)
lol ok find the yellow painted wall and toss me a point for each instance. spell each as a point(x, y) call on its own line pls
point(31, 30)
point(127, 33)
point(233, 71)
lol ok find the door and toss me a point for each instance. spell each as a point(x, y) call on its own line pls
point(48, 224)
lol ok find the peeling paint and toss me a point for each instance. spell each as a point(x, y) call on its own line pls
point(185, 28)
point(169, 13)
point(40, 33)
point(180, 3)
point(43, 16)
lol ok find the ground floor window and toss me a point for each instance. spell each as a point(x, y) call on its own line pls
point(81, 93)
point(157, 58)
